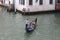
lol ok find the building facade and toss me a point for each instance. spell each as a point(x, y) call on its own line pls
point(35, 5)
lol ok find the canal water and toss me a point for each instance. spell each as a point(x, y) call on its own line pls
point(12, 26)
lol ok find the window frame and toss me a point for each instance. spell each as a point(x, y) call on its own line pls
point(22, 2)
point(58, 2)
point(30, 2)
point(40, 2)
point(36, 0)
point(50, 1)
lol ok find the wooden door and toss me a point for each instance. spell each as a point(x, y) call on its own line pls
point(57, 4)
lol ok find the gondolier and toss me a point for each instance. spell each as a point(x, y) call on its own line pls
point(27, 22)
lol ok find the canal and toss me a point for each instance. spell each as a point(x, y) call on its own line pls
point(12, 26)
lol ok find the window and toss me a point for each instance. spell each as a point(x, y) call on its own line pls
point(36, 0)
point(58, 1)
point(30, 2)
point(51, 1)
point(22, 2)
point(40, 2)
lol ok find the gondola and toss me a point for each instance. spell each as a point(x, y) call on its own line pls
point(30, 28)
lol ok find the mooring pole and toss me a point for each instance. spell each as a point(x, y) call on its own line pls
point(28, 11)
point(14, 7)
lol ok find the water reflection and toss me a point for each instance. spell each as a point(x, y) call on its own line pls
point(27, 35)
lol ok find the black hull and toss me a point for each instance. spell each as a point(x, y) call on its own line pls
point(27, 30)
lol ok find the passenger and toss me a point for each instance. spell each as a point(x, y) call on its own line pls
point(33, 22)
point(30, 26)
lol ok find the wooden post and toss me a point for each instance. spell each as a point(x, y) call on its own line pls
point(14, 6)
point(28, 11)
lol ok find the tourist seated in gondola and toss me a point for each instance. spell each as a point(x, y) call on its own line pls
point(30, 26)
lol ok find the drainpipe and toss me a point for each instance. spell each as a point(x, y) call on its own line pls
point(14, 7)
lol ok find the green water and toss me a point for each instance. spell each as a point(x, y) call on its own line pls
point(12, 26)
